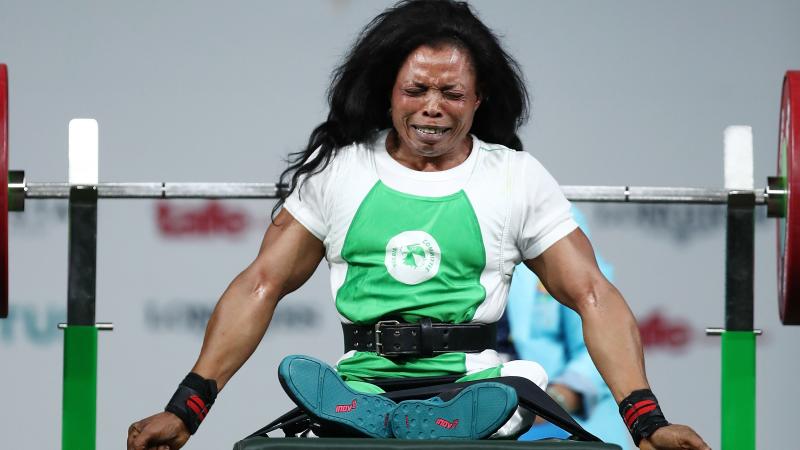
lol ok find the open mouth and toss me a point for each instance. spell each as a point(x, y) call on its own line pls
point(430, 130)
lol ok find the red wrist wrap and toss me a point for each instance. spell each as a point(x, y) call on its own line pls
point(192, 401)
point(641, 414)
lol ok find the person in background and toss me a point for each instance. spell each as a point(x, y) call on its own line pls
point(543, 330)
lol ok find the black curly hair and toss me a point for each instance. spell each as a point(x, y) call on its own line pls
point(360, 91)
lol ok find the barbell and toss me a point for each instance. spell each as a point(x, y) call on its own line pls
point(777, 195)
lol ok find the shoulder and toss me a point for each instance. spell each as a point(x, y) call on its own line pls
point(342, 160)
point(519, 160)
point(528, 163)
point(495, 157)
point(359, 154)
point(495, 150)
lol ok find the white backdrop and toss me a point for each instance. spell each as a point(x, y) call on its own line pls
point(625, 92)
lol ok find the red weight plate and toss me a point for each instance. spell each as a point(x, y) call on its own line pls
point(3, 191)
point(789, 226)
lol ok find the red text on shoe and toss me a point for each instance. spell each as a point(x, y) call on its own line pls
point(444, 423)
point(346, 408)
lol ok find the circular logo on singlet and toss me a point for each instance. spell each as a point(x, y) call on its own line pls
point(413, 257)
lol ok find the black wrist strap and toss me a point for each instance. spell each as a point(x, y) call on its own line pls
point(641, 414)
point(192, 401)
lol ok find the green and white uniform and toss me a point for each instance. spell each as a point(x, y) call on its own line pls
point(407, 244)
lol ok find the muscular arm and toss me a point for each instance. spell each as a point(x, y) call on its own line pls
point(288, 256)
point(569, 271)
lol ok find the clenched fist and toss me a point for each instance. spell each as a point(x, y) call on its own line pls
point(162, 431)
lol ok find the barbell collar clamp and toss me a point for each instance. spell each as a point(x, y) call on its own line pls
point(17, 190)
point(720, 331)
point(775, 195)
point(101, 326)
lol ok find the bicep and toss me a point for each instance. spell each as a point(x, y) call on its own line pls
point(289, 254)
point(568, 269)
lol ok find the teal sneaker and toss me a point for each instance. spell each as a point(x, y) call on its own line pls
point(318, 389)
point(474, 413)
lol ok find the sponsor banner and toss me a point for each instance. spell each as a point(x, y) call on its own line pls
point(191, 316)
point(175, 219)
point(39, 217)
point(680, 224)
point(206, 219)
point(34, 324)
point(661, 329)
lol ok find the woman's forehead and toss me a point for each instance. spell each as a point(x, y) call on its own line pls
point(441, 64)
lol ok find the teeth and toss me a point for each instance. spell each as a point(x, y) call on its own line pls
point(430, 130)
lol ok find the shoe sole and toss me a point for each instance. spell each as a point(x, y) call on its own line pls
point(318, 389)
point(475, 413)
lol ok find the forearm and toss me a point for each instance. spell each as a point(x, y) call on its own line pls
point(236, 327)
point(569, 272)
point(612, 338)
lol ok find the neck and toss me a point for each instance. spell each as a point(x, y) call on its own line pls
point(423, 163)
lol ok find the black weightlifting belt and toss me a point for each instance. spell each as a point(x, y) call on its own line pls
point(394, 338)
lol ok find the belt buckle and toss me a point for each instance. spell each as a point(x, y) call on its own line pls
point(378, 343)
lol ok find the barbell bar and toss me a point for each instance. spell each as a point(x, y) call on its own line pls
point(777, 195)
point(20, 190)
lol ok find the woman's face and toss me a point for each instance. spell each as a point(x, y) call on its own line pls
point(434, 100)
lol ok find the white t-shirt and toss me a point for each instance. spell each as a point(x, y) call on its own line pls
point(407, 244)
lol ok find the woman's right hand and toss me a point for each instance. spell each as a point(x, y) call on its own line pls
point(162, 431)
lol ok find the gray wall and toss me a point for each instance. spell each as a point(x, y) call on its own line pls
point(625, 92)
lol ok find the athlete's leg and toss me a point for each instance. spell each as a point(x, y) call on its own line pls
point(522, 419)
point(480, 369)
